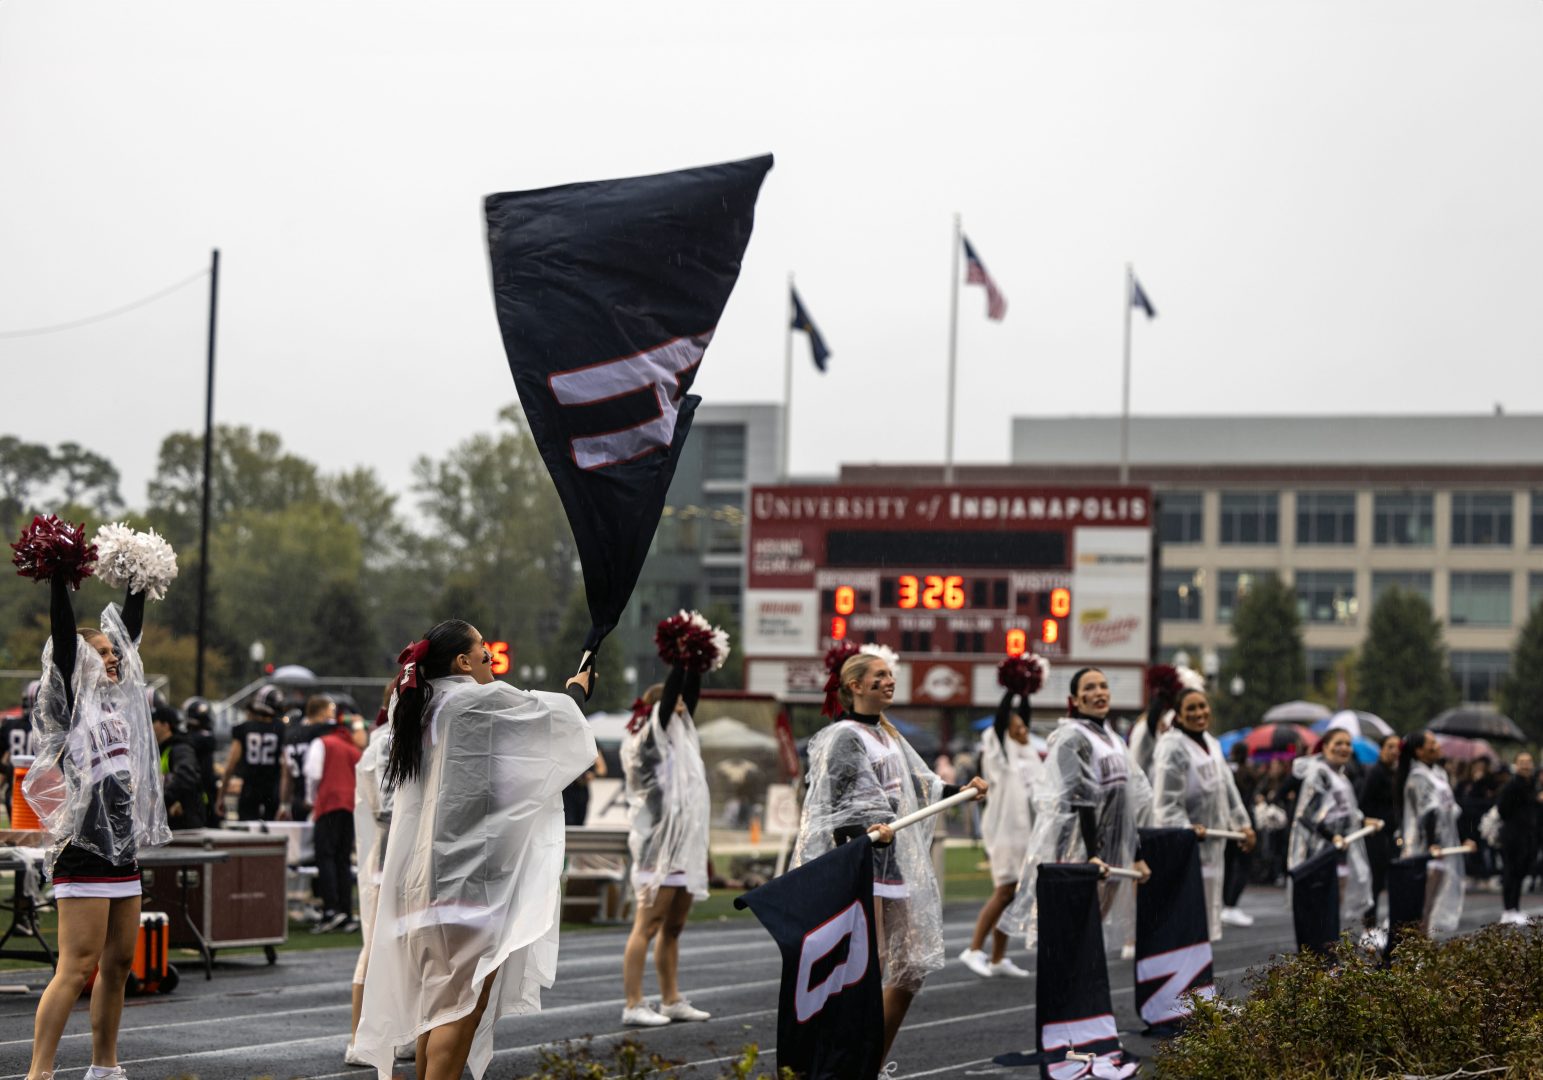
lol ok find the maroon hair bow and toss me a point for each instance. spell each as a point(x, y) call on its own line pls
point(640, 713)
point(410, 658)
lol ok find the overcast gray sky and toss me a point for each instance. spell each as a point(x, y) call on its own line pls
point(1334, 205)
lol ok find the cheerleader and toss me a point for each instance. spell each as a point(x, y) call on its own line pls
point(1164, 684)
point(1013, 769)
point(372, 825)
point(1089, 807)
point(1430, 823)
point(1192, 787)
point(95, 782)
point(466, 920)
point(862, 775)
point(1326, 813)
point(667, 808)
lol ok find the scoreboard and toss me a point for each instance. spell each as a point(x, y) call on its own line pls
point(952, 579)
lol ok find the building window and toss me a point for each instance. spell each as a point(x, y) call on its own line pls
point(723, 452)
point(1480, 599)
point(1481, 519)
point(1181, 517)
point(1418, 581)
point(1477, 675)
point(1536, 535)
point(1320, 667)
point(1231, 587)
point(725, 524)
point(723, 588)
point(1534, 591)
point(1326, 596)
point(1250, 517)
point(1181, 593)
point(1325, 517)
point(680, 531)
point(1403, 518)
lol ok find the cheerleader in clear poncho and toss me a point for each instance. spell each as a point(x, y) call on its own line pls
point(1328, 811)
point(1430, 822)
point(1192, 787)
point(372, 826)
point(862, 775)
point(667, 804)
point(95, 782)
point(466, 923)
point(1088, 809)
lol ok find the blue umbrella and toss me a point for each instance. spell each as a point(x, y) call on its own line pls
point(1229, 739)
point(1365, 750)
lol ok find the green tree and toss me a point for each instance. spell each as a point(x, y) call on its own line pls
point(340, 638)
point(731, 676)
point(25, 468)
point(87, 479)
point(251, 471)
point(1267, 652)
point(1521, 694)
point(1402, 674)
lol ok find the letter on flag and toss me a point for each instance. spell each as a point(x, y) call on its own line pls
point(830, 1012)
point(1315, 901)
point(1173, 934)
point(975, 274)
point(802, 321)
point(607, 294)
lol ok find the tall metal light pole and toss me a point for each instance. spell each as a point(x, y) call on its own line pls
point(203, 525)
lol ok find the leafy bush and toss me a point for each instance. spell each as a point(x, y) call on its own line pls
point(630, 1060)
point(1471, 1005)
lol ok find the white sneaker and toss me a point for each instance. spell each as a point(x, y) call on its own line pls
point(1513, 918)
point(642, 1016)
point(1236, 917)
point(1006, 967)
point(890, 1071)
point(351, 1056)
point(1128, 951)
point(975, 960)
point(683, 1010)
point(114, 1073)
point(1374, 940)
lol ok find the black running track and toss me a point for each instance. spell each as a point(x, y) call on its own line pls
point(291, 1020)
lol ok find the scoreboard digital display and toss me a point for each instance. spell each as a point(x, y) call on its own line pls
point(952, 579)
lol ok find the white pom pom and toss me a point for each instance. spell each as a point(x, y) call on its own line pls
point(883, 652)
point(1044, 670)
point(1191, 679)
point(721, 644)
point(142, 562)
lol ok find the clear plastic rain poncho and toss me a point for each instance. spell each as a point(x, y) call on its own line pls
point(862, 775)
point(1427, 794)
point(1193, 785)
point(472, 882)
point(1014, 772)
point(96, 779)
point(372, 824)
point(1143, 742)
point(1087, 768)
point(1327, 807)
point(667, 806)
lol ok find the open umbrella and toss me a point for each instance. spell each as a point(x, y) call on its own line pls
point(1295, 712)
point(1278, 739)
point(1478, 722)
point(1363, 725)
point(1229, 739)
point(1459, 748)
point(293, 675)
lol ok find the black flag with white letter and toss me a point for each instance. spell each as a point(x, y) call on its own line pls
point(1406, 900)
point(830, 1014)
point(607, 294)
point(1173, 935)
point(1315, 901)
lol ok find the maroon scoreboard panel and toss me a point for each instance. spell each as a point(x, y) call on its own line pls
point(953, 580)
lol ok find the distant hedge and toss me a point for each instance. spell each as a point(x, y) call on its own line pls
point(1472, 1005)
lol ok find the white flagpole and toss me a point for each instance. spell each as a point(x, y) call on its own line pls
point(1125, 387)
point(926, 812)
point(953, 351)
point(787, 382)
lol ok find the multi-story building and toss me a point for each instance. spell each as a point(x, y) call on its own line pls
point(1340, 507)
point(698, 555)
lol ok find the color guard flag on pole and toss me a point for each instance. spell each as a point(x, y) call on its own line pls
point(607, 294)
point(1406, 900)
point(830, 1012)
point(1138, 298)
point(1173, 935)
point(975, 274)
point(802, 321)
point(1315, 901)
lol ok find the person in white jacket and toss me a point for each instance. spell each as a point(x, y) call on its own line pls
point(466, 928)
point(1192, 787)
point(1430, 821)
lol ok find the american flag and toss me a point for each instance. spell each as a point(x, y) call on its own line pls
point(975, 274)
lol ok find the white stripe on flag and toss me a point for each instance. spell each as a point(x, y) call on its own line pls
point(1178, 968)
point(1070, 1034)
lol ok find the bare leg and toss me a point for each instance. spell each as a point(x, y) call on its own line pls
point(82, 931)
point(990, 912)
point(353, 1027)
point(890, 916)
point(897, 1003)
point(667, 945)
point(444, 1049)
point(645, 924)
point(112, 976)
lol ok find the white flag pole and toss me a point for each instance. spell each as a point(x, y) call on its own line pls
point(1125, 385)
point(953, 351)
point(1360, 834)
point(787, 382)
point(1223, 834)
point(967, 795)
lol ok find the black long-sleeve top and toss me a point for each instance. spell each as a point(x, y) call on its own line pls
point(1379, 795)
point(61, 617)
point(1517, 803)
point(679, 685)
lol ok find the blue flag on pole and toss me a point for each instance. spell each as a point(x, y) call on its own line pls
point(1138, 297)
point(802, 321)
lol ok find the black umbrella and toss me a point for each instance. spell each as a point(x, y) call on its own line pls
point(1478, 722)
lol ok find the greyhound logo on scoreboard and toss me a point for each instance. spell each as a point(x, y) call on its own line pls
point(849, 928)
point(942, 683)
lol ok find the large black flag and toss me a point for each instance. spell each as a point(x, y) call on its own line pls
point(1072, 1008)
point(1406, 899)
point(1173, 934)
point(830, 1013)
point(607, 295)
point(1315, 901)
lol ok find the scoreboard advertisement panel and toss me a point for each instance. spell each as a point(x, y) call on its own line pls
point(952, 579)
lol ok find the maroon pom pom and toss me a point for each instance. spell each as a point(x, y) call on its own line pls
point(1163, 682)
point(837, 655)
point(1022, 675)
point(681, 641)
point(49, 547)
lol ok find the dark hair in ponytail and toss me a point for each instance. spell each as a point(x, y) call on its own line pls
point(446, 641)
point(1406, 760)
